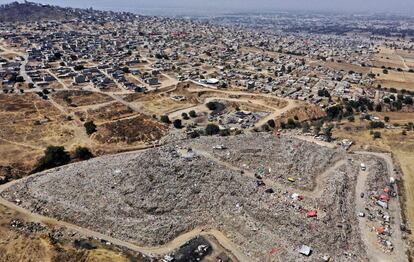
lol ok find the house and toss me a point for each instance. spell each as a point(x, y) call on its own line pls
point(79, 79)
point(49, 78)
point(152, 81)
point(212, 81)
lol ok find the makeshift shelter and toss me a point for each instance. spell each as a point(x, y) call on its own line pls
point(305, 250)
point(312, 213)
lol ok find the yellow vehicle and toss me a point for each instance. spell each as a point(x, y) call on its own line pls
point(291, 179)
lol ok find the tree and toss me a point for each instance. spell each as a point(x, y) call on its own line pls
point(54, 156)
point(376, 135)
point(328, 132)
point(211, 105)
point(387, 119)
point(334, 112)
point(224, 132)
point(291, 123)
point(83, 153)
point(125, 70)
point(266, 128)
point(90, 127)
point(165, 119)
point(305, 127)
point(376, 124)
point(192, 113)
point(19, 79)
point(185, 116)
point(177, 123)
point(271, 123)
point(317, 128)
point(212, 129)
point(408, 100)
point(351, 118)
point(79, 67)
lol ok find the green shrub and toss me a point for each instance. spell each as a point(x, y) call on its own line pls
point(192, 113)
point(212, 129)
point(177, 123)
point(54, 156)
point(83, 153)
point(165, 119)
point(90, 127)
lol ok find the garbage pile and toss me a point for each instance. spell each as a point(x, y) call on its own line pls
point(151, 197)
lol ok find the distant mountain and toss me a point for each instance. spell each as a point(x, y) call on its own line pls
point(28, 11)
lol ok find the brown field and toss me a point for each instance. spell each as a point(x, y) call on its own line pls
point(80, 98)
point(393, 141)
point(398, 80)
point(390, 58)
point(348, 67)
point(105, 113)
point(28, 125)
point(139, 129)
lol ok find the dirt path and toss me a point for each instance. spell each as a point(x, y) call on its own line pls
point(314, 193)
point(149, 251)
point(58, 79)
point(375, 254)
point(291, 104)
point(20, 144)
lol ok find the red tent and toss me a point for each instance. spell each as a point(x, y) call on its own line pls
point(312, 213)
point(384, 197)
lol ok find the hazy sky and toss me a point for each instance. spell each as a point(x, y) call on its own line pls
point(406, 6)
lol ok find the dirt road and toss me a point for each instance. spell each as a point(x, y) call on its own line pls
point(315, 193)
point(149, 251)
point(375, 254)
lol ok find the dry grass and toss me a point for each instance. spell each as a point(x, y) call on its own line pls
point(80, 98)
point(105, 113)
point(348, 67)
point(398, 80)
